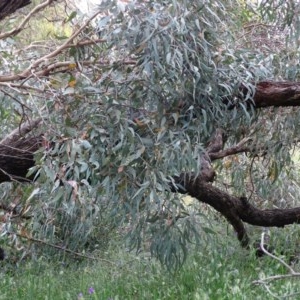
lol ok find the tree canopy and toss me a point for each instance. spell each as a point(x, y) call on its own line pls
point(109, 118)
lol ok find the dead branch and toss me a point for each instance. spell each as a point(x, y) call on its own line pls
point(58, 67)
point(265, 281)
point(58, 50)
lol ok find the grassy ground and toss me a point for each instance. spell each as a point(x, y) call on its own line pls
point(220, 270)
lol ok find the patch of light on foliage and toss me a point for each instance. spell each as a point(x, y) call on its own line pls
point(188, 200)
point(296, 156)
point(90, 7)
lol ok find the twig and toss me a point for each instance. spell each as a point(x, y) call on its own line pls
point(61, 67)
point(61, 248)
point(267, 280)
point(251, 178)
point(27, 73)
point(14, 177)
point(13, 211)
point(17, 100)
point(274, 256)
point(62, 47)
point(275, 277)
point(270, 292)
point(16, 86)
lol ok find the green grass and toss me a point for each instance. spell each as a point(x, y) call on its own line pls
point(220, 270)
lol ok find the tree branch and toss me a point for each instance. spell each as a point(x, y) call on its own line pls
point(21, 26)
point(238, 148)
point(277, 93)
point(236, 210)
point(20, 132)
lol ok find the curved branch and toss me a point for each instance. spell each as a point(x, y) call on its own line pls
point(197, 188)
point(236, 210)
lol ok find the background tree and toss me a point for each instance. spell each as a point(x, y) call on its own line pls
point(165, 100)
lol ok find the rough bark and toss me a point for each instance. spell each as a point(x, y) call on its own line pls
point(17, 158)
point(8, 7)
point(239, 210)
point(17, 151)
point(235, 210)
point(271, 93)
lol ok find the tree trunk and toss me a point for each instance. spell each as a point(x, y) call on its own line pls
point(8, 7)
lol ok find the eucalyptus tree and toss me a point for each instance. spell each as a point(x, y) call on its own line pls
point(174, 97)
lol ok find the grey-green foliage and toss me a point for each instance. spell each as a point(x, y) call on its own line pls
point(124, 139)
point(168, 72)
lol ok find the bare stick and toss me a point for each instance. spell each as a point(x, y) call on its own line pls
point(61, 248)
point(274, 256)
